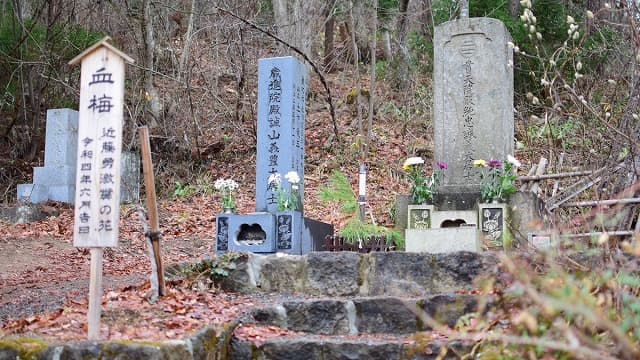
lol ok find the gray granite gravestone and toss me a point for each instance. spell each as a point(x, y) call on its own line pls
point(473, 119)
point(282, 88)
point(473, 103)
point(56, 179)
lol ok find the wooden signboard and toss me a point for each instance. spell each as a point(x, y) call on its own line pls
point(97, 198)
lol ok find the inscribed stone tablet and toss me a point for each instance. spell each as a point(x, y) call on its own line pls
point(473, 99)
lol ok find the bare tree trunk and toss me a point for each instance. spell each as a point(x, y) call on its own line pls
point(386, 44)
point(294, 20)
point(402, 28)
point(329, 54)
point(149, 45)
point(372, 81)
point(188, 38)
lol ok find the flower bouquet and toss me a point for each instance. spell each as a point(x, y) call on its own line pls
point(228, 188)
point(288, 200)
point(423, 187)
point(497, 178)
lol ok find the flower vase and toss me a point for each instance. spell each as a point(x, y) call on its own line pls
point(492, 218)
point(419, 216)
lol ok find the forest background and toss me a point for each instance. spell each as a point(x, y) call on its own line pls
point(577, 89)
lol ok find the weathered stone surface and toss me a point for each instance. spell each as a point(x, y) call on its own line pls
point(472, 101)
point(348, 274)
point(446, 309)
point(290, 349)
point(454, 271)
point(333, 274)
point(327, 317)
point(426, 349)
point(242, 279)
point(385, 315)
point(282, 273)
point(526, 216)
point(8, 354)
point(340, 349)
point(395, 273)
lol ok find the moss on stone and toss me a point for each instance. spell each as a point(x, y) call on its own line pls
point(27, 348)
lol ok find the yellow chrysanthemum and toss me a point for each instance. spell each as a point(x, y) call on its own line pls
point(479, 162)
point(416, 160)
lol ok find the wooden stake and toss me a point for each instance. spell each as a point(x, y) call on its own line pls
point(152, 208)
point(95, 293)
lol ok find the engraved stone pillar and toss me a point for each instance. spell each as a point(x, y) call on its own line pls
point(473, 104)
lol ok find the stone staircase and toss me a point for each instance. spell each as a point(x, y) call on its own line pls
point(342, 305)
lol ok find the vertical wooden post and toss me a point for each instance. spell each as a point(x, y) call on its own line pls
point(152, 208)
point(95, 294)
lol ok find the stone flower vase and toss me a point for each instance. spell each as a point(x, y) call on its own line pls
point(492, 220)
point(419, 216)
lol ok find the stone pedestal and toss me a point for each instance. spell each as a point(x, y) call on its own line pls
point(286, 231)
point(443, 240)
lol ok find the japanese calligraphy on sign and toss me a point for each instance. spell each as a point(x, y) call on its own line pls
point(99, 146)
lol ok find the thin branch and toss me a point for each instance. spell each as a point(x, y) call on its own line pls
point(303, 55)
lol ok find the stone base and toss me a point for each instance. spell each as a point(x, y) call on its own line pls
point(33, 193)
point(288, 232)
point(444, 240)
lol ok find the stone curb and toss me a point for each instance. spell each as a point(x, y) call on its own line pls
point(371, 315)
point(308, 348)
point(210, 343)
point(337, 274)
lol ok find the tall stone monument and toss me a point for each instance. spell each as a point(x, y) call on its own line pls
point(282, 85)
point(473, 104)
point(473, 119)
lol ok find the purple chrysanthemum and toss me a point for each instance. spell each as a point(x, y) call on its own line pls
point(443, 165)
point(494, 163)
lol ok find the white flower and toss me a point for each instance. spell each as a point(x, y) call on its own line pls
point(576, 35)
point(589, 14)
point(539, 36)
point(611, 82)
point(607, 5)
point(512, 160)
point(416, 160)
point(578, 75)
point(274, 179)
point(545, 82)
point(636, 116)
point(570, 19)
point(510, 45)
point(225, 185)
point(579, 66)
point(292, 177)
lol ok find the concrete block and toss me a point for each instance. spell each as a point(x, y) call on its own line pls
point(443, 240)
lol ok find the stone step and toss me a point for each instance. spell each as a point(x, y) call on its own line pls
point(332, 348)
point(368, 315)
point(341, 274)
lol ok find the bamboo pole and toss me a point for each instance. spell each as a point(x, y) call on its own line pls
point(150, 188)
point(554, 176)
